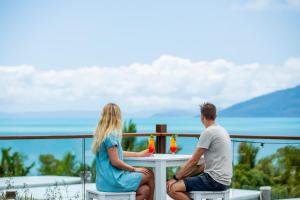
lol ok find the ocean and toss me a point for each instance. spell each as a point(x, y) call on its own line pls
point(23, 125)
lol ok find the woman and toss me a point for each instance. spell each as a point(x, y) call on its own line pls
point(112, 173)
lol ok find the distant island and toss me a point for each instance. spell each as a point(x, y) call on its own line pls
point(282, 103)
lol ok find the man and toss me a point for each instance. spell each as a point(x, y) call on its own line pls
point(214, 143)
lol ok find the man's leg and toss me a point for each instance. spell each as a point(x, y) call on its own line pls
point(178, 191)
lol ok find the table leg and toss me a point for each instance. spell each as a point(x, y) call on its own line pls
point(160, 180)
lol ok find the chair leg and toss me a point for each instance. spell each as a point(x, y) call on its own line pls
point(198, 196)
point(88, 196)
point(132, 197)
point(102, 198)
point(226, 196)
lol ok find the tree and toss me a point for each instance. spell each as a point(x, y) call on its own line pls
point(13, 165)
point(280, 170)
point(128, 143)
point(68, 166)
point(287, 170)
point(246, 176)
point(49, 165)
point(265, 165)
point(249, 178)
point(247, 154)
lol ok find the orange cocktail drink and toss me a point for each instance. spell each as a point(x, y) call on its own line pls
point(173, 146)
point(151, 144)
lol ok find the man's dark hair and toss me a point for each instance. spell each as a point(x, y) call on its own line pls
point(208, 110)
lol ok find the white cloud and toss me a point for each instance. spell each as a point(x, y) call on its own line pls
point(268, 5)
point(167, 83)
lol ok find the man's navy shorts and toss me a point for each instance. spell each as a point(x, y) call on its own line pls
point(203, 183)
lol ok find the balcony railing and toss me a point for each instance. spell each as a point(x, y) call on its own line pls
point(161, 134)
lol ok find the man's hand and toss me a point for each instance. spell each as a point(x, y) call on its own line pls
point(144, 153)
point(170, 183)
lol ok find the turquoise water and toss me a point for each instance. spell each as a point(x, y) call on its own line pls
point(86, 125)
point(73, 125)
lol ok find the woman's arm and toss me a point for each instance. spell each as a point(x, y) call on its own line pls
point(131, 154)
point(116, 162)
point(144, 153)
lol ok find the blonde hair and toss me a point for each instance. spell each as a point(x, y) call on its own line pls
point(111, 120)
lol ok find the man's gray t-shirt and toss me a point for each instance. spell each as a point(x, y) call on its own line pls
point(218, 154)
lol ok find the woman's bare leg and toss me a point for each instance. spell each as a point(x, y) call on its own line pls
point(152, 185)
point(148, 180)
point(143, 192)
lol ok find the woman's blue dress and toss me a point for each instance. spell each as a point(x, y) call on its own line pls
point(110, 178)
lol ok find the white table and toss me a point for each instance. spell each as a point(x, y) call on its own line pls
point(159, 162)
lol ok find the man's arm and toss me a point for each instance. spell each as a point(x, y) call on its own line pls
point(185, 169)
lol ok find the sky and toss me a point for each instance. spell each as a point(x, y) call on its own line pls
point(147, 56)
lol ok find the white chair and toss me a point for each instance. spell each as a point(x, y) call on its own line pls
point(97, 195)
point(198, 195)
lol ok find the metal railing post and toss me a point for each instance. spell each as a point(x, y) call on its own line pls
point(161, 139)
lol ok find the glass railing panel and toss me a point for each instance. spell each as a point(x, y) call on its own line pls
point(257, 162)
point(42, 168)
point(275, 163)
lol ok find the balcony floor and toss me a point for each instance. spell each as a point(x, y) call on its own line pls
point(37, 186)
